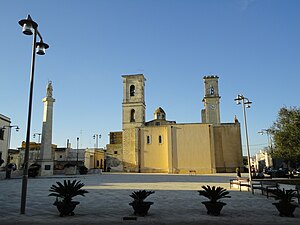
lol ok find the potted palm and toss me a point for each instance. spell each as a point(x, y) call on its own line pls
point(33, 170)
point(138, 204)
point(285, 205)
point(64, 193)
point(214, 194)
point(83, 170)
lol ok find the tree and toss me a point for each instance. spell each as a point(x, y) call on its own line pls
point(286, 135)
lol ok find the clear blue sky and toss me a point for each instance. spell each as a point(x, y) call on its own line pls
point(253, 46)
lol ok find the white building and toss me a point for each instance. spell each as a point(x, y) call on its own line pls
point(5, 132)
point(263, 159)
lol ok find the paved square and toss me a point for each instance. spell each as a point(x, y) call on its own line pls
point(176, 201)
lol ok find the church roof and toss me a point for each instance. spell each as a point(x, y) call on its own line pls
point(159, 110)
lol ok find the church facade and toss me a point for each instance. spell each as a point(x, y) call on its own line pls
point(162, 146)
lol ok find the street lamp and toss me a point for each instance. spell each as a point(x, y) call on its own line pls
point(77, 153)
point(9, 126)
point(96, 136)
point(6, 126)
point(39, 134)
point(268, 159)
point(245, 104)
point(30, 28)
point(268, 133)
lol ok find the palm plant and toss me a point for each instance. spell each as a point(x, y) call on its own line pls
point(139, 206)
point(67, 190)
point(285, 205)
point(285, 196)
point(141, 195)
point(214, 193)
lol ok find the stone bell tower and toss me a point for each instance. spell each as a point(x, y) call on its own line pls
point(211, 100)
point(46, 154)
point(133, 117)
point(133, 106)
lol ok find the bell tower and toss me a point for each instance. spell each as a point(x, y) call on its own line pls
point(133, 106)
point(211, 100)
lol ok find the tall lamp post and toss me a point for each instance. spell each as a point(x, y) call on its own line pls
point(30, 28)
point(268, 159)
point(96, 136)
point(77, 139)
point(268, 133)
point(245, 104)
point(39, 134)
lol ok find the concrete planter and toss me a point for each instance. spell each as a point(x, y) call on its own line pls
point(66, 209)
point(285, 209)
point(70, 170)
point(140, 208)
point(214, 208)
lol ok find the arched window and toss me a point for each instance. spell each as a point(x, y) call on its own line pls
point(132, 115)
point(1, 134)
point(132, 90)
point(160, 139)
point(158, 116)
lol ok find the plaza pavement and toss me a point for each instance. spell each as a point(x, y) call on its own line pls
point(176, 201)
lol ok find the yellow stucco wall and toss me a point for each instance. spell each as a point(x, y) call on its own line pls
point(198, 147)
point(192, 148)
point(228, 147)
point(154, 155)
point(184, 147)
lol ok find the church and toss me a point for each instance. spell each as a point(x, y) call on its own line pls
point(163, 146)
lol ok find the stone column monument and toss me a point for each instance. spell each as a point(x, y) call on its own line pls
point(46, 155)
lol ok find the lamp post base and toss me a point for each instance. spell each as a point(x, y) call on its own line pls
point(46, 167)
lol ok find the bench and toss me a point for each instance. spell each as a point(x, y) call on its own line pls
point(264, 186)
point(192, 172)
point(256, 185)
point(240, 182)
point(267, 187)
